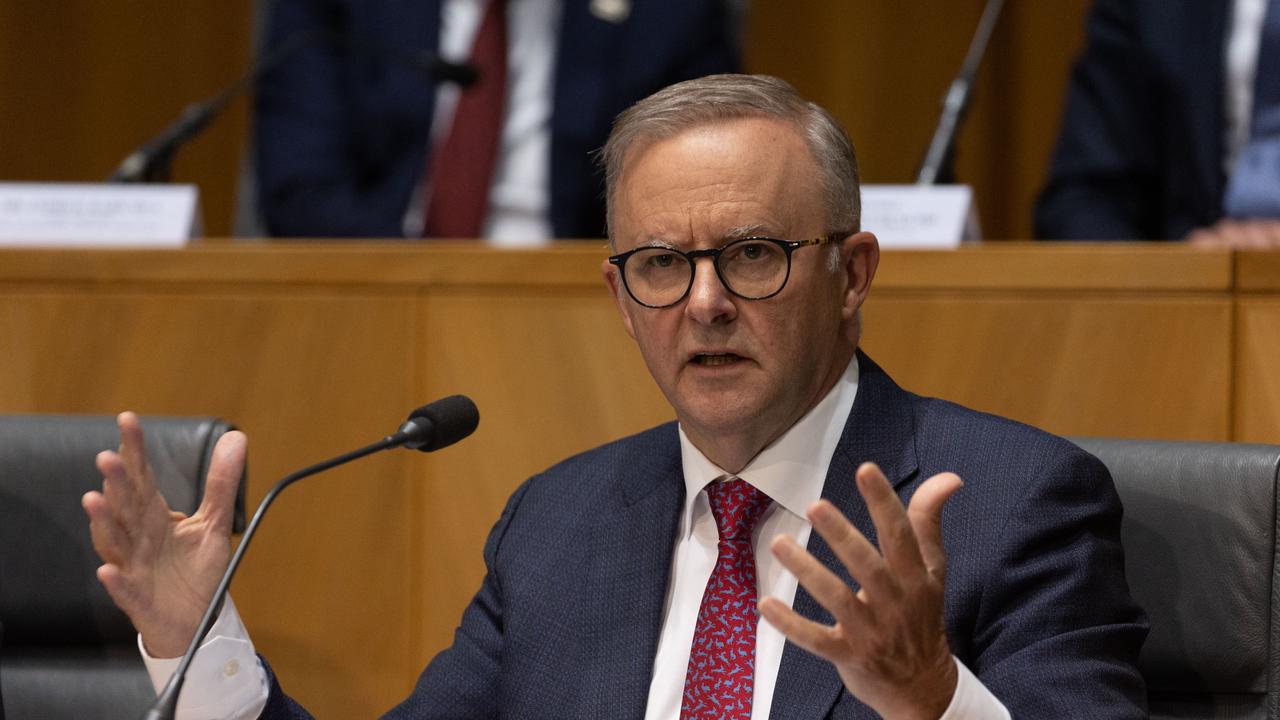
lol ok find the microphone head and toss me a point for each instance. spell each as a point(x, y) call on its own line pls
point(441, 423)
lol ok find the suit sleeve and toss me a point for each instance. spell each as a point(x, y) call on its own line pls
point(1056, 633)
point(1103, 180)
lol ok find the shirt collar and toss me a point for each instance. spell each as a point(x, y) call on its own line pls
point(793, 468)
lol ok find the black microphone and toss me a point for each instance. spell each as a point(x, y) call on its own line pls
point(441, 424)
point(430, 427)
point(153, 160)
point(936, 166)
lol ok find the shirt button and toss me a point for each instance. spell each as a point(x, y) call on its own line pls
point(231, 668)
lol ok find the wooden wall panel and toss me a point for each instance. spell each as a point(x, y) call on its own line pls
point(1071, 365)
point(84, 82)
point(1257, 391)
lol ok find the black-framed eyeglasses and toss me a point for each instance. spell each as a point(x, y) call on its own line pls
point(753, 268)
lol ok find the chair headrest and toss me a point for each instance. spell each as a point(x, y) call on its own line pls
point(49, 592)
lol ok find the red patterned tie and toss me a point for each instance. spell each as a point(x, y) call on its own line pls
point(462, 166)
point(722, 661)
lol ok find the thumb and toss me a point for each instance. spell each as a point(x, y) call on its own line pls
point(225, 470)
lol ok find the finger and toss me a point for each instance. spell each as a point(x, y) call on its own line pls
point(118, 490)
point(825, 586)
point(1252, 236)
point(117, 585)
point(817, 638)
point(925, 514)
point(897, 539)
point(133, 453)
point(853, 550)
point(226, 467)
point(109, 541)
point(1273, 234)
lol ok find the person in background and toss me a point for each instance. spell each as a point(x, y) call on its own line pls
point(352, 138)
point(1172, 127)
point(799, 486)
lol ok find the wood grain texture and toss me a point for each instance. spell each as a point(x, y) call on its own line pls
point(1071, 365)
point(1258, 271)
point(1257, 390)
point(1058, 266)
point(85, 82)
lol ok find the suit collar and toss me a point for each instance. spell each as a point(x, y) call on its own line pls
point(880, 429)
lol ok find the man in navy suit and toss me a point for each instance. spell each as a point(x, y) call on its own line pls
point(1157, 113)
point(799, 480)
point(343, 130)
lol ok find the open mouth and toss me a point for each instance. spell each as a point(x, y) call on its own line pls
point(715, 359)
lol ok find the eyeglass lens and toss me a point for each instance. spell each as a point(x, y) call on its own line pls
point(751, 268)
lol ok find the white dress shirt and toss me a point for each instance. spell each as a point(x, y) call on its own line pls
point(227, 682)
point(1244, 41)
point(520, 195)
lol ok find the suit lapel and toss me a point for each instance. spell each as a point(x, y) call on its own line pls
point(880, 429)
point(631, 551)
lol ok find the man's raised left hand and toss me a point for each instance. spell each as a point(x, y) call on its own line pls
point(889, 641)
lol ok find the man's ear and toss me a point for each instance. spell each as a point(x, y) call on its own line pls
point(613, 280)
point(859, 257)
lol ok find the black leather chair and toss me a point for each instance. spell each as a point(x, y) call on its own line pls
point(68, 652)
point(1200, 551)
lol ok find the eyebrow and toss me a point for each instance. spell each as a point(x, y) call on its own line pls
point(745, 231)
point(657, 242)
point(736, 233)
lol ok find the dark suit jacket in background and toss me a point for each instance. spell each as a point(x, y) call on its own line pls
point(1141, 150)
point(566, 622)
point(341, 136)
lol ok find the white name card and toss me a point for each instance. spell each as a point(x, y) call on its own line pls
point(80, 214)
point(920, 216)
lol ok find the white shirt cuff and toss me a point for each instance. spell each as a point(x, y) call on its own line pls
point(225, 681)
point(972, 700)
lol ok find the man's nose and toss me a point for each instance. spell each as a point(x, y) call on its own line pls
point(709, 300)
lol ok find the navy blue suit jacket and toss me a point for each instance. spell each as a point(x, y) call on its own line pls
point(341, 135)
point(1141, 149)
point(566, 622)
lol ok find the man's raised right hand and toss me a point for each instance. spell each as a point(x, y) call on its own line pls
point(160, 566)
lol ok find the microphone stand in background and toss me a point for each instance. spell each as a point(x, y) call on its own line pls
point(937, 164)
point(152, 162)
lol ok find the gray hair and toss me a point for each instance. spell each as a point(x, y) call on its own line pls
point(717, 98)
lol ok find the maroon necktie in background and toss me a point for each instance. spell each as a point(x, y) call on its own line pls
point(462, 166)
point(721, 677)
